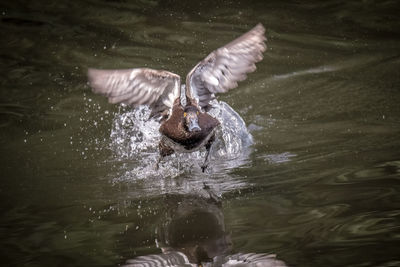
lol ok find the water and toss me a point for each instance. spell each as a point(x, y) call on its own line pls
point(134, 136)
point(314, 178)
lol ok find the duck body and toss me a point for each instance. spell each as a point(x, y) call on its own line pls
point(185, 125)
point(176, 136)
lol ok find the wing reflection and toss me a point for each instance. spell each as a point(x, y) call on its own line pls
point(173, 258)
point(193, 234)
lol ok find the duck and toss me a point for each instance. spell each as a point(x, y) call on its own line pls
point(182, 109)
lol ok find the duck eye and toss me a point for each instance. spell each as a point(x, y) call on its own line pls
point(184, 114)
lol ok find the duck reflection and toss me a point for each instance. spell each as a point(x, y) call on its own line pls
point(193, 234)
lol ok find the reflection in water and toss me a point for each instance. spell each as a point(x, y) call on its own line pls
point(193, 233)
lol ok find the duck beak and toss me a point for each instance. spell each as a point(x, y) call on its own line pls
point(194, 125)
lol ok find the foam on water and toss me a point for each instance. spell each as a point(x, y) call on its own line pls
point(135, 137)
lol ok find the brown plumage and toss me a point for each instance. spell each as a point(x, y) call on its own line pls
point(174, 128)
point(185, 124)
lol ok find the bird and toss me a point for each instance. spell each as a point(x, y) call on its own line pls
point(182, 109)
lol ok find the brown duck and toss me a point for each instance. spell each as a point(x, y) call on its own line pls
point(185, 124)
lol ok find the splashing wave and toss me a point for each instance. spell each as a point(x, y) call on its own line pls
point(135, 137)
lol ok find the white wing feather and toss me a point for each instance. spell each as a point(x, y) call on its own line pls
point(155, 88)
point(222, 69)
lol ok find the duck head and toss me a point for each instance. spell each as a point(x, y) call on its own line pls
point(191, 120)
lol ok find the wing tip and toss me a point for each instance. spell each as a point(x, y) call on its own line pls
point(92, 79)
point(92, 73)
point(259, 26)
point(259, 30)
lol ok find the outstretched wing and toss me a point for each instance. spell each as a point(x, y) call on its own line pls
point(155, 88)
point(221, 70)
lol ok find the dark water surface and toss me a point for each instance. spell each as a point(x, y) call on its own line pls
point(318, 187)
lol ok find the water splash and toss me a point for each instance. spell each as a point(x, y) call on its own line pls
point(135, 137)
point(133, 134)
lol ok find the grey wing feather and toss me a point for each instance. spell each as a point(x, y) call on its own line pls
point(221, 70)
point(155, 88)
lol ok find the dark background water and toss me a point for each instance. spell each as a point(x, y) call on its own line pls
point(320, 186)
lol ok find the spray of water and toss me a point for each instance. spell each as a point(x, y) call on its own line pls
point(134, 137)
